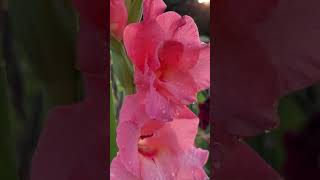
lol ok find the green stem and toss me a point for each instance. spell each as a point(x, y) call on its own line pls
point(122, 66)
point(113, 125)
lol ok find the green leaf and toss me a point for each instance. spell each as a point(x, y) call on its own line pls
point(134, 11)
point(113, 126)
point(291, 115)
point(201, 97)
point(122, 66)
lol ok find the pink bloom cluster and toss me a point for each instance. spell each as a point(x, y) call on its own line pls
point(156, 130)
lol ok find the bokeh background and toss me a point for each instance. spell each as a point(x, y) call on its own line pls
point(37, 72)
point(293, 149)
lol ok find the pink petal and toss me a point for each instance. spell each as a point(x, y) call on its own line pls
point(119, 172)
point(131, 105)
point(118, 17)
point(152, 8)
point(141, 42)
point(201, 71)
point(157, 106)
point(128, 134)
point(184, 131)
point(192, 162)
point(185, 31)
point(170, 54)
point(188, 35)
point(181, 85)
point(186, 165)
point(178, 135)
point(163, 167)
point(128, 113)
point(169, 22)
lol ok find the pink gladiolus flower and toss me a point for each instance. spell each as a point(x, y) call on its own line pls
point(150, 149)
point(118, 17)
point(171, 63)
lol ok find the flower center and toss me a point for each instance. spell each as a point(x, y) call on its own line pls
point(146, 148)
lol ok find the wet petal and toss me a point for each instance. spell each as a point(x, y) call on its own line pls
point(128, 135)
point(119, 172)
point(141, 41)
point(181, 85)
point(201, 71)
point(118, 17)
point(152, 8)
point(192, 162)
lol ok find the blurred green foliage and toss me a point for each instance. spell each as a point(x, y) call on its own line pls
point(46, 31)
point(39, 56)
point(294, 110)
point(8, 169)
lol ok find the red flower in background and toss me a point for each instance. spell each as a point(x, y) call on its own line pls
point(264, 50)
